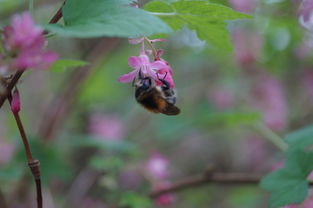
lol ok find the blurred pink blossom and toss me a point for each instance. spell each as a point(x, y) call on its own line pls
point(16, 103)
point(164, 199)
point(247, 6)
point(221, 97)
point(24, 44)
point(108, 127)
point(6, 151)
point(157, 166)
point(305, 14)
point(247, 46)
point(269, 98)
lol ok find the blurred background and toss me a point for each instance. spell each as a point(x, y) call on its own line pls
point(99, 148)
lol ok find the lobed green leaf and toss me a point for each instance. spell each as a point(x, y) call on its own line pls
point(86, 19)
point(207, 19)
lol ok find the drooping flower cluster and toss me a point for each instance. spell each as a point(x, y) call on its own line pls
point(23, 46)
point(157, 69)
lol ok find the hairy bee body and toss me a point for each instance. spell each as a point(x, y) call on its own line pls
point(157, 99)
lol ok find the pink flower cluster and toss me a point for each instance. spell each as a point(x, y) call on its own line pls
point(24, 46)
point(157, 171)
point(157, 69)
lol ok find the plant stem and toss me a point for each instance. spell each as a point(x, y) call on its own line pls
point(272, 136)
point(155, 53)
point(32, 163)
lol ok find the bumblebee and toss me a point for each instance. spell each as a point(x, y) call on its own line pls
point(157, 99)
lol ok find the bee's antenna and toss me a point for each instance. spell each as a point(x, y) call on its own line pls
point(158, 76)
point(165, 75)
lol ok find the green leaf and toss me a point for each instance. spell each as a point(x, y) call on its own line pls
point(85, 19)
point(133, 200)
point(289, 184)
point(300, 139)
point(207, 19)
point(62, 64)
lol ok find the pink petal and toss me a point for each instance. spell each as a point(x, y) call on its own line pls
point(144, 59)
point(157, 40)
point(135, 40)
point(129, 77)
point(159, 54)
point(134, 62)
point(151, 73)
point(158, 65)
point(16, 104)
point(49, 57)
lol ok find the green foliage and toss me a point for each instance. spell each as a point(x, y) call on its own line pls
point(289, 184)
point(133, 200)
point(118, 146)
point(52, 163)
point(63, 64)
point(106, 18)
point(300, 139)
point(207, 19)
point(109, 163)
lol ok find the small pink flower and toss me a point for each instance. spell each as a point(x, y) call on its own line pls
point(107, 127)
point(158, 69)
point(24, 45)
point(142, 63)
point(16, 103)
point(23, 34)
point(157, 166)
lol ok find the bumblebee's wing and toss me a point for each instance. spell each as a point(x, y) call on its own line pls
point(170, 110)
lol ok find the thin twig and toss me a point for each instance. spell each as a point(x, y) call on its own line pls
point(32, 163)
point(10, 86)
point(221, 178)
point(154, 51)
